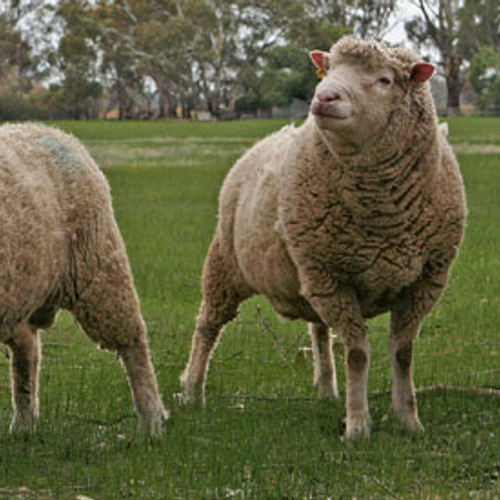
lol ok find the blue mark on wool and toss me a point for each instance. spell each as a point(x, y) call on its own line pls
point(62, 153)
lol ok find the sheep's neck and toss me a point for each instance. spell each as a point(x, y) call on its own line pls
point(383, 196)
point(380, 165)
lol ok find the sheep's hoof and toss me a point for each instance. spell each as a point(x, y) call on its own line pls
point(411, 424)
point(153, 425)
point(23, 424)
point(327, 391)
point(415, 427)
point(408, 421)
point(193, 399)
point(358, 428)
point(191, 395)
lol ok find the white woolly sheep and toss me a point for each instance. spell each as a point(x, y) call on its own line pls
point(60, 247)
point(357, 212)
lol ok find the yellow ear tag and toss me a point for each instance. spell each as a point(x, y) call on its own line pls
point(320, 73)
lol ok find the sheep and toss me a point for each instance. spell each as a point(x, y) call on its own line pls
point(60, 248)
point(357, 212)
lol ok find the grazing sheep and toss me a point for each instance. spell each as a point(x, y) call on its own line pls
point(357, 212)
point(60, 247)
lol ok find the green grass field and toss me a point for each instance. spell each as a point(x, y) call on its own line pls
point(263, 434)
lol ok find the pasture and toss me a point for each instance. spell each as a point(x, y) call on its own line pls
point(263, 434)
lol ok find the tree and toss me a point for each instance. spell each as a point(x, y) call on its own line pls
point(439, 26)
point(155, 40)
point(287, 72)
point(365, 18)
point(241, 33)
point(485, 77)
point(14, 54)
point(18, 66)
point(479, 26)
point(201, 52)
point(176, 47)
point(121, 62)
point(480, 44)
point(76, 59)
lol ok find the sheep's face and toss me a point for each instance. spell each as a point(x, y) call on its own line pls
point(358, 94)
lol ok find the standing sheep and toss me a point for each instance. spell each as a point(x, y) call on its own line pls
point(357, 212)
point(60, 247)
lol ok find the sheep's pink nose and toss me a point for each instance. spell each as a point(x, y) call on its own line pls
point(327, 96)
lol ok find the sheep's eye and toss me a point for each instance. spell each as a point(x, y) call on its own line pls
point(383, 80)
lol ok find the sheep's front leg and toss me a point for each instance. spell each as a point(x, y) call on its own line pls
point(325, 378)
point(340, 309)
point(357, 356)
point(410, 308)
point(404, 401)
point(24, 349)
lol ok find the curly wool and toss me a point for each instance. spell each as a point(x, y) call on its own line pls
point(373, 53)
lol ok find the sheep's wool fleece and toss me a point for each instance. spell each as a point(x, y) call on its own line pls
point(56, 225)
point(301, 216)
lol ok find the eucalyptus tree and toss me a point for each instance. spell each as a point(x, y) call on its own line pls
point(439, 28)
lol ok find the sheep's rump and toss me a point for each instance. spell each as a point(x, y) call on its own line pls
point(49, 189)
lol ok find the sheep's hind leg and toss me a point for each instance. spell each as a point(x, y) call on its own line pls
point(24, 348)
point(109, 313)
point(325, 378)
point(136, 360)
point(220, 305)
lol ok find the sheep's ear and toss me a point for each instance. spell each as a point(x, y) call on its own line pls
point(421, 72)
point(320, 59)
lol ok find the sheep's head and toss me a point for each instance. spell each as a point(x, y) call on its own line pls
point(364, 86)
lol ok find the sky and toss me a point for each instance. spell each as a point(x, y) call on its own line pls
point(406, 11)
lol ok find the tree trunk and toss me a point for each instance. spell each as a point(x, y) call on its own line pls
point(163, 97)
point(164, 105)
point(453, 85)
point(453, 101)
